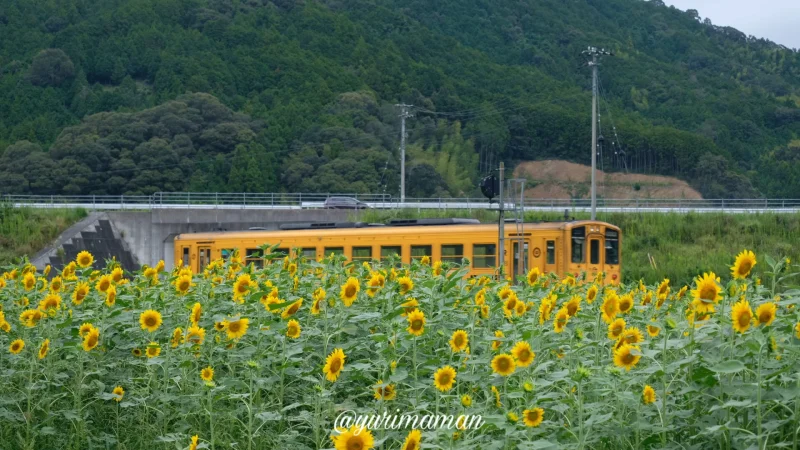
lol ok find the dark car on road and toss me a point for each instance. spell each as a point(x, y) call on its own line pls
point(344, 203)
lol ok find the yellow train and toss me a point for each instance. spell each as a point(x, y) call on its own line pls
point(560, 247)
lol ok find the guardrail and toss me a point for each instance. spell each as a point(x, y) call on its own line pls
point(196, 200)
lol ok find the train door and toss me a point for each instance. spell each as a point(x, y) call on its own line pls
point(520, 268)
point(203, 259)
point(551, 255)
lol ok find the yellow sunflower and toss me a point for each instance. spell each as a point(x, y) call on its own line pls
point(648, 394)
point(111, 295)
point(425, 260)
point(30, 317)
point(413, 441)
point(44, 348)
point(237, 328)
point(573, 306)
point(183, 284)
point(591, 294)
point(349, 291)
point(150, 320)
point(632, 335)
point(610, 307)
point(437, 268)
point(466, 400)
point(177, 337)
point(510, 304)
point(797, 330)
point(84, 259)
point(85, 329)
point(503, 364)
point(91, 339)
point(103, 283)
point(560, 322)
point(80, 293)
point(416, 322)
point(52, 301)
point(355, 438)
point(16, 346)
point(292, 309)
point(496, 396)
point(293, 329)
point(195, 335)
point(118, 393)
point(136, 352)
point(207, 374)
point(616, 328)
point(384, 391)
point(497, 343)
point(766, 313)
point(117, 274)
point(406, 284)
point(153, 349)
point(56, 284)
point(741, 315)
point(626, 303)
point(523, 353)
point(444, 378)
point(663, 288)
point(627, 356)
point(743, 265)
point(707, 290)
point(653, 330)
point(533, 276)
point(28, 281)
point(545, 309)
point(334, 364)
point(459, 341)
point(533, 417)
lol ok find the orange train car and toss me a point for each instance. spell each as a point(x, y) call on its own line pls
point(564, 247)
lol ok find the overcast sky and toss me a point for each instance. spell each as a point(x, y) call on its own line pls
point(776, 20)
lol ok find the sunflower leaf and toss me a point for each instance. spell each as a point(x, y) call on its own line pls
point(731, 366)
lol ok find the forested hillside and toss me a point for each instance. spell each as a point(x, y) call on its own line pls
point(137, 96)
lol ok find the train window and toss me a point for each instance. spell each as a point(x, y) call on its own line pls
point(418, 251)
point(387, 251)
point(578, 245)
point(483, 255)
point(453, 253)
point(205, 257)
point(594, 251)
point(253, 255)
point(310, 253)
point(226, 253)
point(551, 252)
point(334, 251)
point(362, 253)
point(185, 256)
point(612, 247)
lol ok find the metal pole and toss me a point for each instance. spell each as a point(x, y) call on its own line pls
point(403, 114)
point(501, 228)
point(594, 135)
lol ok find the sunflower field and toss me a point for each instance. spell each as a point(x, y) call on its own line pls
point(267, 357)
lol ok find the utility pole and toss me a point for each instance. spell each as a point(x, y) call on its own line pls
point(594, 53)
point(403, 114)
point(501, 225)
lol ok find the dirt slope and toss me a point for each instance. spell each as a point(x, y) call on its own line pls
point(558, 179)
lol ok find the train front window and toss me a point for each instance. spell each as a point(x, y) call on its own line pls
point(612, 247)
point(579, 245)
point(594, 251)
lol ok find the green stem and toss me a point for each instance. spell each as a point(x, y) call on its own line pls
point(758, 396)
point(664, 391)
point(211, 416)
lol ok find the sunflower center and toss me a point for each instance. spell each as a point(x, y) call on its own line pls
point(416, 324)
point(459, 341)
point(533, 416)
point(411, 445)
point(349, 290)
point(745, 267)
point(444, 379)
point(512, 303)
point(92, 341)
point(708, 293)
point(336, 365)
point(184, 285)
point(234, 327)
point(523, 355)
point(627, 358)
point(624, 306)
point(617, 330)
point(764, 317)
point(355, 443)
point(503, 364)
point(744, 319)
point(150, 321)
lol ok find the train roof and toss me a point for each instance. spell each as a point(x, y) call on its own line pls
point(427, 226)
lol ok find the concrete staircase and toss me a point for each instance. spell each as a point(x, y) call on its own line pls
point(95, 234)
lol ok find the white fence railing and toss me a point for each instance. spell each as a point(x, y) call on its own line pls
point(199, 200)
